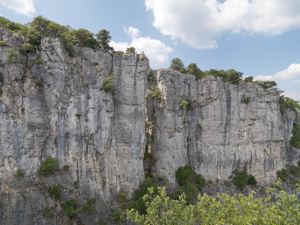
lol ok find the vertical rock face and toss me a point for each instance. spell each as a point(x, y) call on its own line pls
point(218, 131)
point(53, 105)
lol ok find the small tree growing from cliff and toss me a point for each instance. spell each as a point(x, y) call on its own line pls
point(177, 64)
point(48, 167)
point(103, 38)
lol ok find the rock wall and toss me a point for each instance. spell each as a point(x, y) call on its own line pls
point(53, 105)
point(217, 132)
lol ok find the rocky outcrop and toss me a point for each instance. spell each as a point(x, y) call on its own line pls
point(217, 130)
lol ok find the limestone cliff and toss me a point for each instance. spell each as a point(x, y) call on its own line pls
point(216, 132)
point(52, 104)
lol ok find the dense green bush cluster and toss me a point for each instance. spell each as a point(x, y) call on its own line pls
point(290, 175)
point(108, 84)
point(20, 173)
point(245, 99)
point(295, 140)
point(266, 84)
point(221, 209)
point(48, 167)
point(54, 192)
point(241, 178)
point(288, 103)
point(41, 27)
point(230, 75)
point(189, 183)
point(155, 93)
point(71, 208)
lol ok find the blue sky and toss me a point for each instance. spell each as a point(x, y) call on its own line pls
point(258, 37)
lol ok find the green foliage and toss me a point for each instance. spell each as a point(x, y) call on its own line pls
point(103, 38)
point(221, 209)
point(288, 103)
point(71, 208)
point(26, 48)
point(155, 93)
point(195, 70)
point(190, 183)
point(11, 26)
point(295, 140)
point(85, 38)
point(3, 43)
point(89, 207)
point(118, 215)
point(108, 84)
point(130, 50)
point(266, 84)
point(20, 173)
point(290, 175)
point(54, 192)
point(230, 75)
point(12, 54)
point(241, 179)
point(48, 167)
point(177, 64)
point(48, 212)
point(185, 104)
point(249, 79)
point(245, 99)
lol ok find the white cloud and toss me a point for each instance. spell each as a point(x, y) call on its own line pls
point(24, 7)
point(287, 79)
point(199, 23)
point(291, 73)
point(156, 51)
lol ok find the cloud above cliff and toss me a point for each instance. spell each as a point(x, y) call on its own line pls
point(157, 52)
point(288, 79)
point(23, 7)
point(199, 23)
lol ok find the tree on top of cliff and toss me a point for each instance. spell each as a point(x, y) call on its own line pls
point(177, 64)
point(195, 70)
point(103, 38)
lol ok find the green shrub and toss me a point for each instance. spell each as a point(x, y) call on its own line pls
point(266, 84)
point(245, 99)
point(190, 183)
point(288, 103)
point(241, 179)
point(71, 208)
point(185, 104)
point(48, 167)
point(48, 212)
point(118, 215)
point(230, 75)
point(290, 175)
point(20, 173)
point(54, 192)
point(295, 140)
point(12, 55)
point(195, 70)
point(89, 206)
point(3, 44)
point(130, 50)
point(27, 47)
point(249, 79)
point(177, 64)
point(108, 84)
point(155, 93)
point(66, 168)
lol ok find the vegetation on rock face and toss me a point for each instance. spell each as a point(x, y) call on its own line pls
point(185, 104)
point(195, 70)
point(20, 173)
point(48, 212)
point(241, 179)
point(71, 208)
point(245, 99)
point(103, 38)
point(108, 84)
point(190, 183)
point(130, 50)
point(155, 93)
point(295, 140)
point(48, 167)
point(266, 84)
point(89, 206)
point(54, 192)
point(290, 175)
point(177, 64)
point(222, 209)
point(288, 103)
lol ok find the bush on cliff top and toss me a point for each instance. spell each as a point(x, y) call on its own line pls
point(241, 178)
